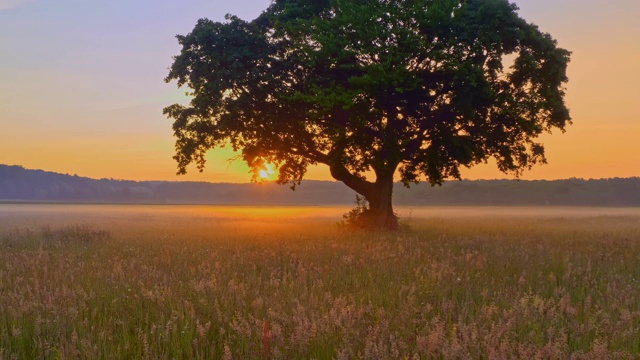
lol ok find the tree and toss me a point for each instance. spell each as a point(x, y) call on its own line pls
point(408, 88)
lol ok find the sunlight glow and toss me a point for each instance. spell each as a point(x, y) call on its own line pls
point(267, 171)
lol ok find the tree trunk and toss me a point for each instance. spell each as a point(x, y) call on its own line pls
point(381, 205)
point(378, 194)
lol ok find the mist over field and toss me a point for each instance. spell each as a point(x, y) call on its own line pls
point(176, 216)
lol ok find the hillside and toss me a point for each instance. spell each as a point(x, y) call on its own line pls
point(20, 184)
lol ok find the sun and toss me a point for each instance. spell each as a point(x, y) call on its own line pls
point(266, 173)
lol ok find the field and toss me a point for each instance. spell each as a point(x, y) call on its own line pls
point(178, 282)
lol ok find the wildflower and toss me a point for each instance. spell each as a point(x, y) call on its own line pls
point(266, 340)
point(227, 353)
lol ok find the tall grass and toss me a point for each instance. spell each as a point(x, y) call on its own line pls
point(477, 287)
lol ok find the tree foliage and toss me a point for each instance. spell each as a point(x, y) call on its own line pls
point(371, 87)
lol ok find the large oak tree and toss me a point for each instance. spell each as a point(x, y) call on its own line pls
point(411, 89)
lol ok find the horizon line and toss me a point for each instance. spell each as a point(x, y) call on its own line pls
point(331, 181)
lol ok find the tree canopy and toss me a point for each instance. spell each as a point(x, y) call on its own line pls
point(415, 89)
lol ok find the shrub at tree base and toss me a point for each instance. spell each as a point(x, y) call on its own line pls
point(362, 217)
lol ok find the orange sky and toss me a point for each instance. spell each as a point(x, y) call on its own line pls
point(81, 88)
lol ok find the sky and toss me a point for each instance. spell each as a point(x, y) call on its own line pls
point(82, 90)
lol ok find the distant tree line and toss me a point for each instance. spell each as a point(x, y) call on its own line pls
point(570, 192)
point(20, 184)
